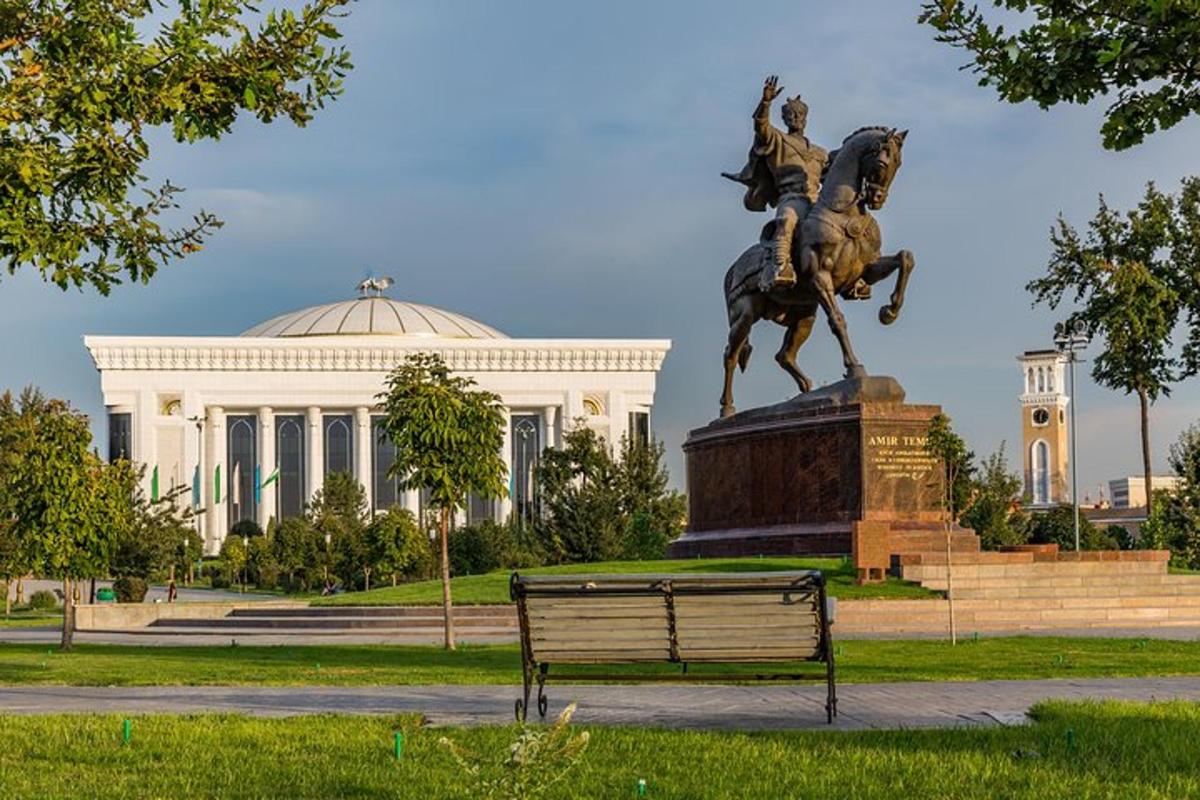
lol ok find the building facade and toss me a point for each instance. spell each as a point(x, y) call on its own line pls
point(1044, 427)
point(1130, 492)
point(253, 423)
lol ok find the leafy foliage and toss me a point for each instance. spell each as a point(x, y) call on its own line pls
point(1077, 51)
point(1174, 521)
point(81, 87)
point(448, 438)
point(994, 511)
point(155, 540)
point(396, 546)
point(1057, 526)
point(1132, 280)
point(130, 589)
point(600, 508)
point(489, 545)
point(957, 465)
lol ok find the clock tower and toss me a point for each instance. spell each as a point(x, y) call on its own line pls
point(1044, 427)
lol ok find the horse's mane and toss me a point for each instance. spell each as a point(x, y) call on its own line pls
point(880, 128)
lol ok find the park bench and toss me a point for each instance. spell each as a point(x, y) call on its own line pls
point(727, 618)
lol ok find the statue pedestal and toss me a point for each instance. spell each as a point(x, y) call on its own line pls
point(842, 470)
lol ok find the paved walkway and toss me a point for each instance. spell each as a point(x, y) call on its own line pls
point(148, 637)
point(861, 706)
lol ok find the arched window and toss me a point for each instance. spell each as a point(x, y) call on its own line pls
point(1050, 379)
point(339, 444)
point(383, 455)
point(1041, 379)
point(526, 446)
point(289, 449)
point(243, 456)
point(1030, 386)
point(1040, 461)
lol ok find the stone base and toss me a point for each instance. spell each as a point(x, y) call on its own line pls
point(808, 476)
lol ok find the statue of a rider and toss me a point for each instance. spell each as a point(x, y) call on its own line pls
point(784, 170)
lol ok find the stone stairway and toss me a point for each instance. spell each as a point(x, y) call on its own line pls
point(1035, 590)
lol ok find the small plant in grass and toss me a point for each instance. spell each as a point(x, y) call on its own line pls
point(43, 600)
point(538, 759)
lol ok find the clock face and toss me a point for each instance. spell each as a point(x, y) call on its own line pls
point(1041, 416)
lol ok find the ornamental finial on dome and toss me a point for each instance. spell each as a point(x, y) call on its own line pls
point(376, 285)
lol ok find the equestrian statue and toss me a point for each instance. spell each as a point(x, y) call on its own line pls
point(823, 242)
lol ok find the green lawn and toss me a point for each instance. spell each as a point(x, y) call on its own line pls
point(1076, 750)
point(370, 665)
point(31, 619)
point(492, 588)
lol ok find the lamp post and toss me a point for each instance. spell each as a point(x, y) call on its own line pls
point(1070, 339)
point(198, 490)
point(328, 540)
point(245, 561)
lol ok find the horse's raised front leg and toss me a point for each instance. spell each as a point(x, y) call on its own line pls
point(800, 323)
point(880, 269)
point(741, 319)
point(823, 284)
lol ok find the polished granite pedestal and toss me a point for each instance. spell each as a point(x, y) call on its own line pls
point(813, 475)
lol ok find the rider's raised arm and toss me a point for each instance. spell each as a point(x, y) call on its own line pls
point(764, 131)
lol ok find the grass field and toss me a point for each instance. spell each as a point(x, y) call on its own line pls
point(1079, 750)
point(492, 588)
point(31, 619)
point(858, 661)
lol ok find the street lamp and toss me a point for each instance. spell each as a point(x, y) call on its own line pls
point(198, 489)
point(328, 539)
point(246, 561)
point(1070, 339)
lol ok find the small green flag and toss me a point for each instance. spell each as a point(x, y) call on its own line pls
point(217, 484)
point(274, 476)
point(154, 485)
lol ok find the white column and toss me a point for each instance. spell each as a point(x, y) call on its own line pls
point(315, 444)
point(572, 409)
point(411, 501)
point(618, 419)
point(506, 504)
point(266, 464)
point(216, 517)
point(549, 429)
point(362, 452)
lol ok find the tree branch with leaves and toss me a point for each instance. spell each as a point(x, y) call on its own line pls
point(81, 85)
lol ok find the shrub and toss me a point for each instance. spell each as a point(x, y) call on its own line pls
point(43, 600)
point(245, 528)
point(487, 546)
point(129, 589)
point(1057, 526)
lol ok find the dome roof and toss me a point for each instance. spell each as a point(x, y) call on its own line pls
point(377, 316)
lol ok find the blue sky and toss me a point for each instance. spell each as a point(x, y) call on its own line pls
point(552, 169)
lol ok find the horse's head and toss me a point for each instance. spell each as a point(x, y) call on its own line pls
point(878, 164)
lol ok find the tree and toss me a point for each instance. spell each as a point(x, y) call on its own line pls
point(151, 545)
point(395, 544)
point(84, 83)
point(448, 438)
point(1131, 281)
point(297, 551)
point(993, 512)
point(1057, 526)
point(69, 508)
point(954, 465)
point(597, 507)
point(1077, 50)
point(339, 511)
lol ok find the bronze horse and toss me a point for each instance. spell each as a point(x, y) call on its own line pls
point(838, 244)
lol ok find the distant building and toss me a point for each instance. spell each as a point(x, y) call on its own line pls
point(255, 422)
point(1130, 492)
point(1045, 451)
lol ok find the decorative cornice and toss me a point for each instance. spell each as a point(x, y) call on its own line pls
point(372, 354)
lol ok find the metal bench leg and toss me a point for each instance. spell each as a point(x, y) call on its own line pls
point(527, 684)
point(542, 702)
point(831, 694)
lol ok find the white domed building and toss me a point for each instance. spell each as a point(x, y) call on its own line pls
point(253, 423)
